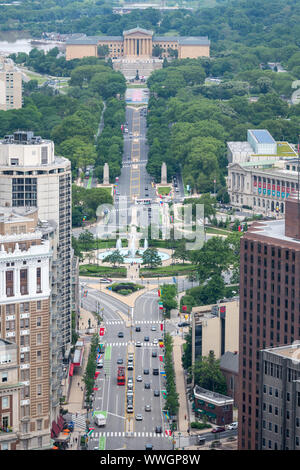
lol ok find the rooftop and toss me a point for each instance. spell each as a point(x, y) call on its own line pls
point(291, 351)
point(270, 229)
point(213, 397)
point(230, 361)
point(262, 136)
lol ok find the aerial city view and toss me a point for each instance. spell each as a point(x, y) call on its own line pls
point(149, 227)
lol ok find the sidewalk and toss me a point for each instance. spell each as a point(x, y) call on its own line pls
point(75, 398)
point(183, 415)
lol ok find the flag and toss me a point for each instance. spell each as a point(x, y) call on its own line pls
point(159, 292)
point(161, 358)
point(164, 393)
point(91, 432)
point(161, 327)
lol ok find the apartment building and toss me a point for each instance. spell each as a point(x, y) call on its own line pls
point(280, 398)
point(10, 85)
point(10, 392)
point(25, 319)
point(269, 307)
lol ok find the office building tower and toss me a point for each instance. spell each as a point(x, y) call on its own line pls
point(269, 306)
point(31, 176)
point(280, 398)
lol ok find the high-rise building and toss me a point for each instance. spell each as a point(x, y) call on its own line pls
point(25, 319)
point(31, 176)
point(10, 85)
point(269, 307)
point(280, 398)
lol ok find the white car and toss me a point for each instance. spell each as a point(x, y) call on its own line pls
point(138, 344)
point(155, 341)
point(139, 378)
point(233, 425)
point(153, 328)
point(139, 417)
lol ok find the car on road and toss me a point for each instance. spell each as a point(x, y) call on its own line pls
point(120, 361)
point(129, 400)
point(233, 425)
point(154, 354)
point(184, 323)
point(153, 328)
point(158, 429)
point(130, 386)
point(148, 447)
point(130, 380)
point(106, 280)
point(139, 378)
point(147, 407)
point(129, 393)
point(120, 334)
point(155, 341)
point(137, 328)
point(138, 344)
point(218, 429)
point(139, 417)
point(130, 357)
point(129, 409)
point(156, 393)
point(146, 338)
point(147, 385)
point(146, 371)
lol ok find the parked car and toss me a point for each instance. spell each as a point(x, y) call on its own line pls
point(233, 425)
point(218, 429)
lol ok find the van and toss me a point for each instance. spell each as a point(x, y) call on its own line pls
point(155, 371)
point(100, 364)
point(200, 440)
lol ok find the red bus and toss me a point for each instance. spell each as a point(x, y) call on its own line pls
point(121, 375)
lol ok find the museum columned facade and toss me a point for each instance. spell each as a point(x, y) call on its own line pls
point(138, 43)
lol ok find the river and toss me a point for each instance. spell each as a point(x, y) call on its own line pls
point(24, 45)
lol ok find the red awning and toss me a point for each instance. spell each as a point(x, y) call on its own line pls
point(71, 370)
point(55, 429)
point(60, 422)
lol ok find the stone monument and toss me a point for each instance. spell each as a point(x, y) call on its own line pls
point(106, 174)
point(164, 173)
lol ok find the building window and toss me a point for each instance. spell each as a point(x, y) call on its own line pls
point(5, 402)
point(4, 376)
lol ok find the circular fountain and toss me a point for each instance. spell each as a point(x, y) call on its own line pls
point(131, 254)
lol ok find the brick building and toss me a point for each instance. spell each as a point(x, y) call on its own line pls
point(269, 307)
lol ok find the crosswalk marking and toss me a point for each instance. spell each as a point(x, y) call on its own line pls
point(126, 344)
point(79, 420)
point(98, 434)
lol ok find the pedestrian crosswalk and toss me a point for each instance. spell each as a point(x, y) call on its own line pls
point(98, 434)
point(136, 322)
point(125, 343)
point(79, 420)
